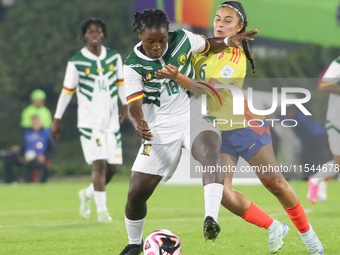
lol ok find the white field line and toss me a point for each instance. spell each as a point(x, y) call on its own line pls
point(121, 221)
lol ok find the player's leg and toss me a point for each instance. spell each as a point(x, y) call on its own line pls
point(317, 183)
point(111, 170)
point(281, 189)
point(141, 188)
point(242, 206)
point(95, 148)
point(329, 170)
point(153, 162)
point(205, 149)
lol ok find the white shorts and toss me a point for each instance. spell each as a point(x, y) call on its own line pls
point(98, 145)
point(334, 140)
point(163, 159)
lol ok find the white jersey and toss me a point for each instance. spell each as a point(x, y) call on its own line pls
point(94, 78)
point(332, 75)
point(166, 105)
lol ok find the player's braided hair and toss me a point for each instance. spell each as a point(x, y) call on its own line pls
point(88, 23)
point(150, 18)
point(237, 5)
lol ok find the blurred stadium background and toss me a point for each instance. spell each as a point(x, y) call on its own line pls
point(297, 39)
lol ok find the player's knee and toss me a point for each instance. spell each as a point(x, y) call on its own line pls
point(276, 186)
point(111, 169)
point(99, 166)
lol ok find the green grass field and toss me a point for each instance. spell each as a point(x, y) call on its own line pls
point(43, 219)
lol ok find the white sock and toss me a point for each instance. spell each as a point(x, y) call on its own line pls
point(212, 199)
point(273, 225)
point(100, 200)
point(134, 229)
point(308, 235)
point(90, 191)
point(327, 172)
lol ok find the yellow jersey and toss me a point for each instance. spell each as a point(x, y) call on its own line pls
point(228, 67)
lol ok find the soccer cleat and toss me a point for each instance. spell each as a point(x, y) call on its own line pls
point(85, 209)
point(322, 192)
point(132, 249)
point(312, 191)
point(276, 236)
point(104, 217)
point(210, 229)
point(312, 242)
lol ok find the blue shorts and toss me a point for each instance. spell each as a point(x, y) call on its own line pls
point(245, 142)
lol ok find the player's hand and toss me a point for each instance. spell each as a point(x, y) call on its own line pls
point(123, 114)
point(234, 40)
point(143, 130)
point(56, 129)
point(169, 72)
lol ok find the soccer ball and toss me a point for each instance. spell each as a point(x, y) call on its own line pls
point(162, 242)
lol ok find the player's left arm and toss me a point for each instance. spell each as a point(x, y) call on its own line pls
point(121, 91)
point(217, 44)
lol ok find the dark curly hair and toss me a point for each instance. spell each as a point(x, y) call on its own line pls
point(88, 23)
point(150, 18)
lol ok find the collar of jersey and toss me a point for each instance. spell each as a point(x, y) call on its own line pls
point(142, 56)
point(91, 56)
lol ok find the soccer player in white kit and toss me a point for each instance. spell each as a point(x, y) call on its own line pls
point(95, 74)
point(162, 112)
point(330, 84)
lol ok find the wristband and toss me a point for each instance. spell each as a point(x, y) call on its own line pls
point(226, 41)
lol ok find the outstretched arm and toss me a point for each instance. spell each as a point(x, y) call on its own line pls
point(218, 44)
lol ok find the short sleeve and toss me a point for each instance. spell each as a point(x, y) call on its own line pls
point(120, 73)
point(333, 70)
point(71, 76)
point(134, 84)
point(198, 43)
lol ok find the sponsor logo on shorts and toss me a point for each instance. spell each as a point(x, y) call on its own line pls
point(99, 142)
point(146, 150)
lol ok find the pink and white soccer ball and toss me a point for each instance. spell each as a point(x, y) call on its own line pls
point(162, 242)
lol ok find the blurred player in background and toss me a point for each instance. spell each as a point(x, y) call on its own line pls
point(37, 108)
point(35, 155)
point(330, 84)
point(253, 143)
point(160, 112)
point(96, 74)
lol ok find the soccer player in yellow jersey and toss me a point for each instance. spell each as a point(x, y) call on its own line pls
point(253, 143)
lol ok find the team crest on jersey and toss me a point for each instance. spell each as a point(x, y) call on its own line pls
point(87, 71)
point(148, 76)
point(146, 150)
point(182, 59)
point(99, 142)
point(219, 57)
point(111, 68)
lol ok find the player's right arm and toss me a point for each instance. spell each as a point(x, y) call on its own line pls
point(134, 88)
point(70, 83)
point(329, 82)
